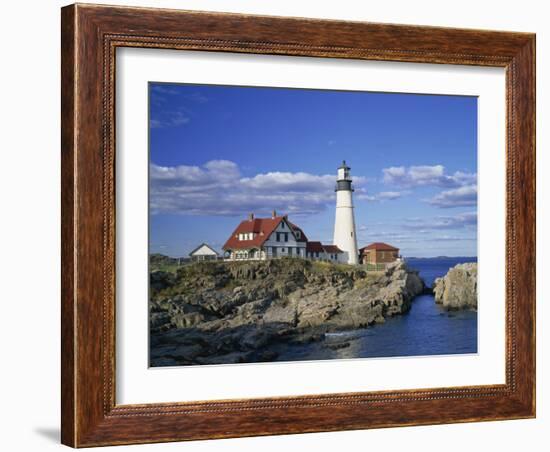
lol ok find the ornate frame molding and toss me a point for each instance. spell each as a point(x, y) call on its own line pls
point(90, 37)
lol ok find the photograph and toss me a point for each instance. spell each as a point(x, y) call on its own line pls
point(293, 224)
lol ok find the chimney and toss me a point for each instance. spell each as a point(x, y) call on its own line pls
point(273, 214)
point(250, 216)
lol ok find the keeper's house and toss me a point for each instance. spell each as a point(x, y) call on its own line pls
point(204, 252)
point(318, 252)
point(378, 253)
point(265, 238)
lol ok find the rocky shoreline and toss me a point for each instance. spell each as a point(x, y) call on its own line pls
point(219, 312)
point(458, 288)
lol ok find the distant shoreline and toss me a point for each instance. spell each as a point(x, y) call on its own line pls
point(441, 257)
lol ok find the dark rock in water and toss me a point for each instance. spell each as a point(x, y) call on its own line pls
point(224, 312)
point(187, 353)
point(338, 346)
point(267, 355)
point(458, 288)
point(228, 358)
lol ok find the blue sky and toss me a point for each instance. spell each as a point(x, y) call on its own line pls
point(218, 153)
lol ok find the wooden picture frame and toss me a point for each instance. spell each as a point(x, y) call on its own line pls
point(90, 36)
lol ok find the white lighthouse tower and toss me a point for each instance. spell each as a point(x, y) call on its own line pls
point(344, 225)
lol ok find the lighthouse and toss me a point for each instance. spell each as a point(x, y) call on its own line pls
point(344, 225)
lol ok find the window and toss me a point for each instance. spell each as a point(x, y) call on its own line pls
point(282, 250)
point(317, 254)
point(286, 236)
point(282, 225)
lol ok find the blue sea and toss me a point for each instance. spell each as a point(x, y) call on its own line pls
point(426, 329)
point(431, 268)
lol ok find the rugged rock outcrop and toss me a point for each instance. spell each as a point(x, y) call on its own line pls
point(219, 312)
point(458, 288)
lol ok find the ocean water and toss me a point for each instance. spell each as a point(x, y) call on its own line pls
point(427, 329)
point(435, 267)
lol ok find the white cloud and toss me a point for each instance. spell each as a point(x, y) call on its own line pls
point(457, 197)
point(459, 221)
point(415, 176)
point(454, 238)
point(217, 188)
point(169, 119)
point(214, 174)
point(164, 89)
point(382, 196)
point(299, 182)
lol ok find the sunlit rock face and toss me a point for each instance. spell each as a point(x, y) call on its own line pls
point(458, 288)
point(214, 312)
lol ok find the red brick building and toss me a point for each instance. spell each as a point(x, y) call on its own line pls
point(378, 253)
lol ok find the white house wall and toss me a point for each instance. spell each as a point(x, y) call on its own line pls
point(323, 256)
point(282, 246)
point(343, 258)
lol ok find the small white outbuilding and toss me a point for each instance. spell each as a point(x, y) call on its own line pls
point(204, 252)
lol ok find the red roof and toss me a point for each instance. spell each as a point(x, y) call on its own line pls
point(379, 246)
point(318, 247)
point(302, 237)
point(262, 229)
point(314, 247)
point(332, 249)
